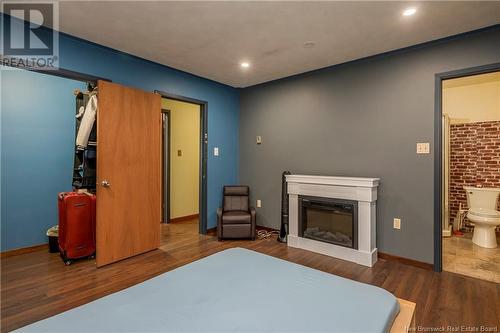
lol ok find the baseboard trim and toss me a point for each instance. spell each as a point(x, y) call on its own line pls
point(406, 261)
point(184, 218)
point(212, 231)
point(381, 255)
point(23, 250)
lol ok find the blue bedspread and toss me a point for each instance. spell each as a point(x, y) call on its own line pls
point(236, 290)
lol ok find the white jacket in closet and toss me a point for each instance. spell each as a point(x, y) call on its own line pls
point(82, 138)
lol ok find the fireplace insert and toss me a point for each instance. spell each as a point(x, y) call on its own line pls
point(329, 220)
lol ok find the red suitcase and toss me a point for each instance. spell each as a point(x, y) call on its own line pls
point(76, 225)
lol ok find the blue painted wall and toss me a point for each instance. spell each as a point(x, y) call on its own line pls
point(85, 57)
point(38, 126)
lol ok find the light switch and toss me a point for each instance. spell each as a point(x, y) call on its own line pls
point(179, 152)
point(259, 203)
point(216, 151)
point(258, 139)
point(423, 148)
point(397, 223)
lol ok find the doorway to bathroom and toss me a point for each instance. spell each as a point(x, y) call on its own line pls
point(470, 175)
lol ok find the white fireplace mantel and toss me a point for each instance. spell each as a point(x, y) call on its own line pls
point(362, 190)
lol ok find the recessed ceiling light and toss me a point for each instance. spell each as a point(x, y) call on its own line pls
point(409, 11)
point(309, 44)
point(245, 65)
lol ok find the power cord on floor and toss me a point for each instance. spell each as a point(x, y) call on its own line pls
point(264, 234)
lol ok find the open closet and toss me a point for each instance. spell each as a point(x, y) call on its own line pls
point(84, 167)
point(117, 158)
point(51, 151)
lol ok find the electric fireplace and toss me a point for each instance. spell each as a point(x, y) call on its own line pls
point(329, 220)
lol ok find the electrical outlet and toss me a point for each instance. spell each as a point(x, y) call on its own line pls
point(423, 148)
point(259, 203)
point(216, 151)
point(397, 223)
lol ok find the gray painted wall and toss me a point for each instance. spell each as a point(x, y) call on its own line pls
point(364, 119)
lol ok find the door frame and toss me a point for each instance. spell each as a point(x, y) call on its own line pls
point(203, 153)
point(166, 219)
point(438, 151)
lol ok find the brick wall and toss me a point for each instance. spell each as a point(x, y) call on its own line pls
point(474, 159)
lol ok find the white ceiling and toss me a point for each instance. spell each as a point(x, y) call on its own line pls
point(210, 39)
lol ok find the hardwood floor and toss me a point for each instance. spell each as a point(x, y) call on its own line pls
point(37, 285)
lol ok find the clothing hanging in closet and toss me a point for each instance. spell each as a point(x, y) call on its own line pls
point(85, 161)
point(87, 123)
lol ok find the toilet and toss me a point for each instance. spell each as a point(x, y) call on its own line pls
point(482, 202)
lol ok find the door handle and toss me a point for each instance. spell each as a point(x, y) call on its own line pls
point(105, 183)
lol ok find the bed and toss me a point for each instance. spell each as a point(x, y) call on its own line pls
point(239, 290)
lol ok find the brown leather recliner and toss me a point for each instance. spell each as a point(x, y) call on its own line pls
point(236, 219)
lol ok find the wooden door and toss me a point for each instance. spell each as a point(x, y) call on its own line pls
point(128, 172)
